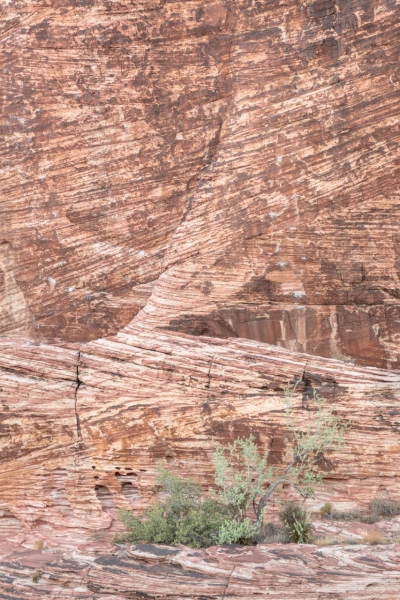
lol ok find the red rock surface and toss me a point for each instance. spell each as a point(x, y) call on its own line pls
point(83, 430)
point(240, 159)
point(232, 169)
point(267, 571)
point(106, 130)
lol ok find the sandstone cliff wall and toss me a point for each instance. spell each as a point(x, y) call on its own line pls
point(83, 430)
point(233, 166)
point(199, 203)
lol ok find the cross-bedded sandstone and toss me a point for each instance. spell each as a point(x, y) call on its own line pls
point(296, 573)
point(83, 431)
point(234, 163)
point(171, 170)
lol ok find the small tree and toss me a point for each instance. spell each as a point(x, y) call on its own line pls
point(241, 472)
point(244, 480)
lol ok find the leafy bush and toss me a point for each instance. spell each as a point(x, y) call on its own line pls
point(203, 525)
point(297, 522)
point(234, 531)
point(184, 517)
point(155, 526)
point(244, 481)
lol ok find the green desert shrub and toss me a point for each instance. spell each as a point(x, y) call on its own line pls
point(203, 524)
point(154, 526)
point(233, 531)
point(183, 517)
point(297, 522)
point(244, 484)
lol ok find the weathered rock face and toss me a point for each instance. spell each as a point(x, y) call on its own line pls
point(111, 111)
point(296, 573)
point(284, 242)
point(238, 161)
point(82, 431)
point(176, 170)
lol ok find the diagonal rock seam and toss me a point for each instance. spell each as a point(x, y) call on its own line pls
point(228, 582)
point(78, 384)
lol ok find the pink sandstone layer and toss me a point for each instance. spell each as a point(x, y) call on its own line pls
point(230, 166)
point(83, 429)
point(199, 203)
point(218, 573)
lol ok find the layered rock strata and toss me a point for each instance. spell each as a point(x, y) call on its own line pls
point(111, 111)
point(237, 161)
point(82, 430)
point(181, 170)
point(273, 571)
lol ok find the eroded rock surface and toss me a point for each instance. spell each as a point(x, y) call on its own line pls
point(292, 237)
point(83, 430)
point(238, 162)
point(273, 571)
point(173, 170)
point(111, 110)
